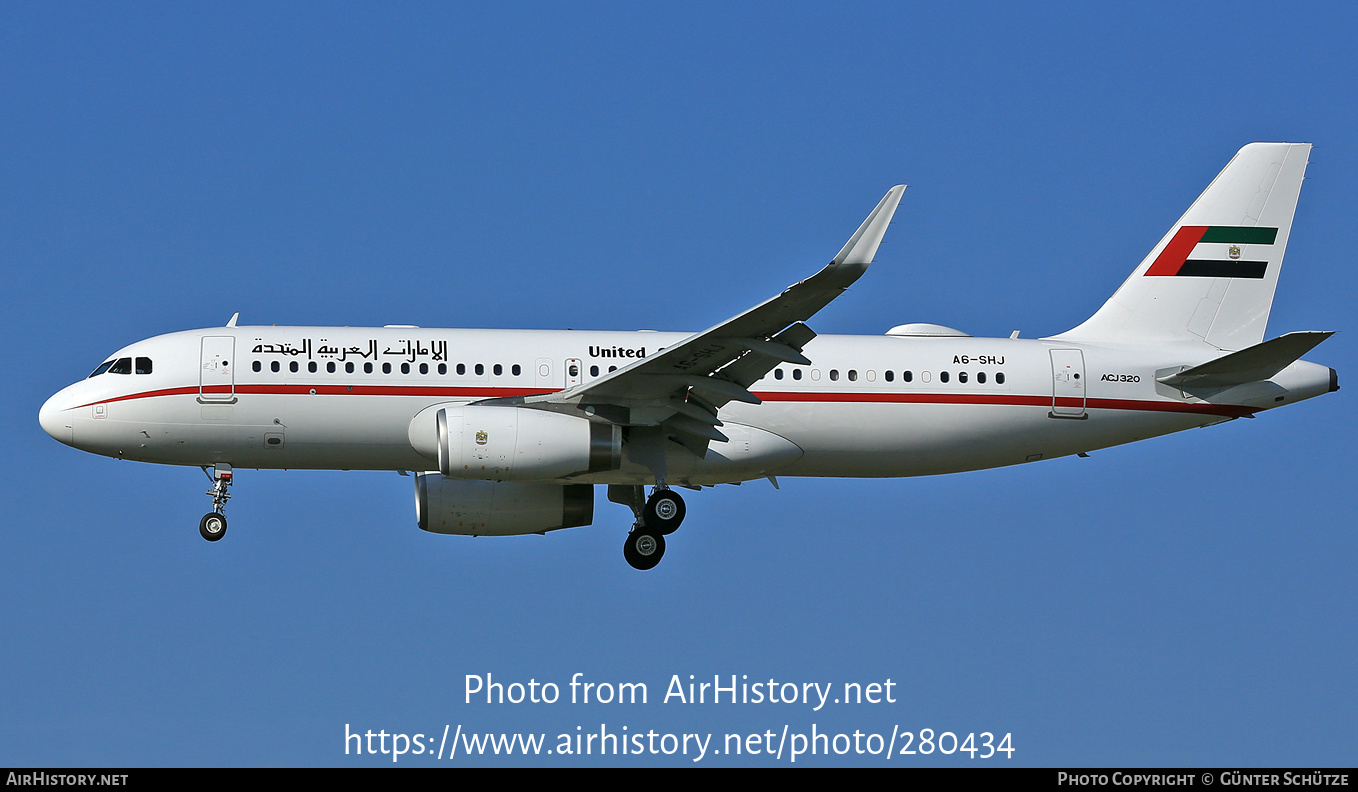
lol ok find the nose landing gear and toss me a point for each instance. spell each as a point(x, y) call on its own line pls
point(213, 525)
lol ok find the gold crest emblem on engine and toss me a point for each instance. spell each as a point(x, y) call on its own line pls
point(482, 437)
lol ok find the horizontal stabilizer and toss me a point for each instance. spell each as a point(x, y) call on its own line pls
point(1252, 364)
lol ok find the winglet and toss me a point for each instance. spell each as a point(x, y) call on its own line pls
point(862, 246)
point(234, 317)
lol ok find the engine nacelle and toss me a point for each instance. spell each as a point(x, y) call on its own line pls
point(514, 444)
point(499, 508)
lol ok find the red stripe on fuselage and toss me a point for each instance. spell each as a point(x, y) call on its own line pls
point(1230, 410)
point(999, 399)
point(331, 390)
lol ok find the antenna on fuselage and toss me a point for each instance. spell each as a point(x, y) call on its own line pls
point(234, 317)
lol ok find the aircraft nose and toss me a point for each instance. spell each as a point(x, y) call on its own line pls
point(54, 420)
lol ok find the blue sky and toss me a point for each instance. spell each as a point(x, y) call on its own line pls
point(1187, 600)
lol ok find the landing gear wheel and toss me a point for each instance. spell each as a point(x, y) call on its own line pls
point(643, 549)
point(664, 512)
point(212, 526)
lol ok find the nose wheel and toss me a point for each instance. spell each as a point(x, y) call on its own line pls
point(213, 525)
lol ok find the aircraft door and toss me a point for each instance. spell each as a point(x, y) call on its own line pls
point(574, 372)
point(216, 372)
point(1068, 383)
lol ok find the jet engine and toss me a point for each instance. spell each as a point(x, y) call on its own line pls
point(514, 443)
point(499, 508)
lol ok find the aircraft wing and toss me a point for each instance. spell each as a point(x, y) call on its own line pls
point(681, 387)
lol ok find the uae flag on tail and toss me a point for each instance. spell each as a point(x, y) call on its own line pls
point(1174, 260)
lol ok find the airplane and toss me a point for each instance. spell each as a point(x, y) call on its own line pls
point(507, 432)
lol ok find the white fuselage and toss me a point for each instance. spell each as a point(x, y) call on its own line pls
point(868, 406)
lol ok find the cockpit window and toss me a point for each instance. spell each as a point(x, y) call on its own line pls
point(102, 368)
point(143, 365)
point(122, 366)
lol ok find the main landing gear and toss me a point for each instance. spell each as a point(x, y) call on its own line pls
point(213, 524)
point(658, 518)
point(664, 511)
point(643, 549)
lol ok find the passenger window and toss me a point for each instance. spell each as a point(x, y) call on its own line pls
point(257, 366)
point(980, 377)
point(594, 371)
point(778, 374)
point(424, 368)
point(443, 368)
point(942, 376)
point(890, 376)
point(349, 367)
point(144, 365)
point(293, 367)
point(498, 370)
point(405, 368)
point(330, 367)
point(516, 370)
point(311, 367)
point(853, 375)
point(386, 368)
point(461, 369)
point(480, 369)
point(834, 375)
point(612, 369)
point(907, 376)
point(797, 374)
point(999, 378)
point(961, 376)
point(274, 367)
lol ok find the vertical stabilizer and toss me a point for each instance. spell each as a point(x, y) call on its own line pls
point(1211, 279)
